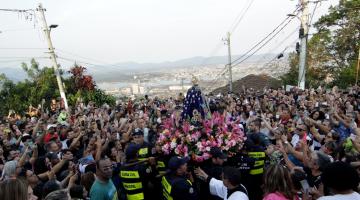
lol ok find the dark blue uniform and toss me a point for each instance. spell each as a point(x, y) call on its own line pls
point(178, 188)
point(213, 171)
point(134, 181)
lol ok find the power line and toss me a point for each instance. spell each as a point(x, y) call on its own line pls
point(15, 57)
point(276, 47)
point(17, 48)
point(225, 69)
point(282, 52)
point(243, 11)
point(232, 28)
point(77, 61)
point(15, 10)
point(20, 60)
point(29, 14)
point(286, 19)
point(241, 61)
point(77, 55)
point(257, 44)
point(313, 12)
point(88, 63)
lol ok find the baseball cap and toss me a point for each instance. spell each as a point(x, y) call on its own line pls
point(51, 156)
point(217, 153)
point(25, 137)
point(131, 150)
point(176, 161)
point(51, 126)
point(138, 131)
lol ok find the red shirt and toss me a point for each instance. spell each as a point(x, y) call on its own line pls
point(49, 136)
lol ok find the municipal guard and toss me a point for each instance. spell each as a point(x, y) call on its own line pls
point(161, 160)
point(145, 150)
point(135, 175)
point(214, 168)
point(256, 152)
point(176, 185)
point(161, 170)
point(244, 163)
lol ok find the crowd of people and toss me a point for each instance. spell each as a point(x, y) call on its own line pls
point(300, 144)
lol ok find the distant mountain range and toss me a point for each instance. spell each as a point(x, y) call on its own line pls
point(126, 70)
point(14, 73)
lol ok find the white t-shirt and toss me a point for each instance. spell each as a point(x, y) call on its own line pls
point(146, 134)
point(218, 188)
point(295, 139)
point(352, 196)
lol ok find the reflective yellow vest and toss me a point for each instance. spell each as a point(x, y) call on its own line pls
point(143, 153)
point(166, 185)
point(259, 162)
point(160, 166)
point(166, 189)
point(132, 184)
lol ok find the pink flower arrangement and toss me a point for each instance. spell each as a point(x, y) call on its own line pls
point(197, 141)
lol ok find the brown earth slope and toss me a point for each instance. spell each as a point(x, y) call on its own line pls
point(257, 82)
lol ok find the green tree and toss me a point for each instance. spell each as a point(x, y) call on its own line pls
point(291, 77)
point(314, 75)
point(332, 51)
point(83, 86)
point(13, 96)
point(341, 28)
point(41, 84)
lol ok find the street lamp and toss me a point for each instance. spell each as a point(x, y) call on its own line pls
point(53, 26)
point(293, 15)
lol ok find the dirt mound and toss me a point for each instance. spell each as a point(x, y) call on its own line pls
point(257, 82)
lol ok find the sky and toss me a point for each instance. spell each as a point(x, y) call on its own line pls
point(114, 31)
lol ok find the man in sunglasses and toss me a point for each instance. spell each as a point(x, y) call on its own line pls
point(300, 134)
point(103, 188)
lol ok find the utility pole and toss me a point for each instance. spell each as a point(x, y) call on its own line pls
point(303, 41)
point(138, 86)
point(182, 84)
point(229, 62)
point(357, 68)
point(53, 56)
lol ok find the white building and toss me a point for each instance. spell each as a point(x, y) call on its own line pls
point(179, 87)
point(136, 89)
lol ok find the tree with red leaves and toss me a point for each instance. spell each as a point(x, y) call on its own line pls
point(83, 86)
point(82, 81)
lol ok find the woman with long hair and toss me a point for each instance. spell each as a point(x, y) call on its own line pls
point(278, 184)
point(16, 189)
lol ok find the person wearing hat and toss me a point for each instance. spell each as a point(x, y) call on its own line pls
point(176, 185)
point(51, 134)
point(256, 151)
point(26, 140)
point(135, 175)
point(214, 168)
point(244, 163)
point(144, 147)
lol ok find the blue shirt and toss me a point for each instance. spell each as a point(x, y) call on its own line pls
point(343, 131)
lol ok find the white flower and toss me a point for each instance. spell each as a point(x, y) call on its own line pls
point(173, 145)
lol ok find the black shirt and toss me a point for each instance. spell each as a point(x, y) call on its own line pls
point(312, 180)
